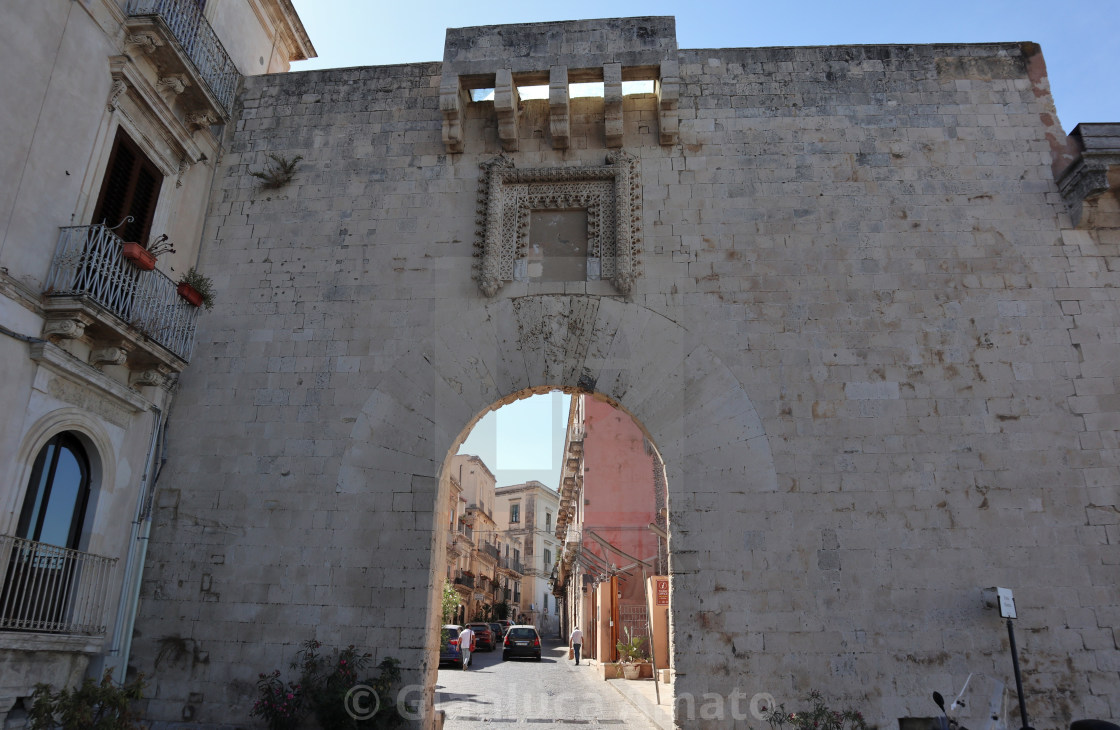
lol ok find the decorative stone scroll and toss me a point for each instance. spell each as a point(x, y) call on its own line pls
point(611, 194)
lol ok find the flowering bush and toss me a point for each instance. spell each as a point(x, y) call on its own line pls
point(280, 705)
point(818, 717)
point(325, 682)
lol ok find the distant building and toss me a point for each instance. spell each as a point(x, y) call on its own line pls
point(527, 514)
point(612, 490)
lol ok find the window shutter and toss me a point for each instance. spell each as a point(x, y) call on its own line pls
point(131, 188)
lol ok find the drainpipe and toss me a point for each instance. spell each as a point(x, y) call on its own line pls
point(117, 658)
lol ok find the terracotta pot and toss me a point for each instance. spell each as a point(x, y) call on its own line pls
point(188, 292)
point(139, 256)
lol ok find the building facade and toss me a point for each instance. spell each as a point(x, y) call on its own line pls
point(112, 124)
point(612, 492)
point(527, 513)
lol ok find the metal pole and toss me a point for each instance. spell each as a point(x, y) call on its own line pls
point(649, 634)
point(1018, 676)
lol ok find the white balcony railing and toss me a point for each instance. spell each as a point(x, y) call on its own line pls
point(88, 261)
point(51, 589)
point(187, 24)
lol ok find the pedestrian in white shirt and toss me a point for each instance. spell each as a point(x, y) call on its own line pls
point(575, 642)
point(466, 638)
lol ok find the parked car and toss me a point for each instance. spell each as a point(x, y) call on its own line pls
point(522, 640)
point(484, 635)
point(505, 624)
point(449, 645)
point(499, 632)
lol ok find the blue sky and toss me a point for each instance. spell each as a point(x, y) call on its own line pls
point(1079, 40)
point(523, 440)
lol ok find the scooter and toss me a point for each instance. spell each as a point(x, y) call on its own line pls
point(950, 723)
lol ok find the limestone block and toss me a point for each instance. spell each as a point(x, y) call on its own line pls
point(559, 109)
point(668, 96)
point(612, 104)
point(451, 102)
point(507, 103)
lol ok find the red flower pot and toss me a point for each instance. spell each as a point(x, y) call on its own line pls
point(139, 256)
point(188, 292)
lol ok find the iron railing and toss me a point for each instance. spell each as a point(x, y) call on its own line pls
point(466, 530)
point(465, 580)
point(200, 43)
point(490, 550)
point(89, 262)
point(51, 589)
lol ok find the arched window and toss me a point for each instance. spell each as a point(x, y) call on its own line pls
point(55, 506)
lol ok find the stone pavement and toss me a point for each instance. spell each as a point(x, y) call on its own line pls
point(521, 692)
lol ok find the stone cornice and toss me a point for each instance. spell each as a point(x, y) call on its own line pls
point(1087, 177)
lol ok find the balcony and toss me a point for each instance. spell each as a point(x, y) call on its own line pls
point(465, 580)
point(129, 315)
point(466, 531)
point(491, 550)
point(49, 589)
point(181, 43)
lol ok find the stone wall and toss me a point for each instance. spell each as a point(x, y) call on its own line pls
point(876, 359)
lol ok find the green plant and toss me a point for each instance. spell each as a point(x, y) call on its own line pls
point(202, 284)
point(94, 705)
point(819, 717)
point(631, 650)
point(449, 602)
point(325, 689)
point(278, 171)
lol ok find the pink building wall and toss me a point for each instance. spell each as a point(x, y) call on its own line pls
point(619, 491)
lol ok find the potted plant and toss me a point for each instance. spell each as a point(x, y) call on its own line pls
point(144, 257)
point(196, 289)
point(630, 653)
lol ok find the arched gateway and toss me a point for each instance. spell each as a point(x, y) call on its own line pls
point(709, 434)
point(865, 337)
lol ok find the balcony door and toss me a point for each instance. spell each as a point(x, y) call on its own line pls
point(41, 570)
point(130, 189)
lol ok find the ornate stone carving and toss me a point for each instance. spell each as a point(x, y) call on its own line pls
point(174, 83)
point(612, 104)
point(610, 193)
point(108, 356)
point(668, 93)
point(152, 376)
point(506, 103)
point(201, 120)
point(146, 42)
point(68, 328)
point(451, 105)
point(115, 92)
point(558, 107)
point(183, 167)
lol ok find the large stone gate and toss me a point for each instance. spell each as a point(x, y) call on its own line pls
point(838, 287)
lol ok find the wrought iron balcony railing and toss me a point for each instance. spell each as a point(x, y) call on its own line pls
point(490, 550)
point(185, 21)
point(465, 580)
point(50, 589)
point(89, 262)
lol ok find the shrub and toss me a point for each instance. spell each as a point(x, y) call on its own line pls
point(818, 717)
point(323, 690)
point(92, 706)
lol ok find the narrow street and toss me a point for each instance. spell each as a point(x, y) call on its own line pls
point(525, 692)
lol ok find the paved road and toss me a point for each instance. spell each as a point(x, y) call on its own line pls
point(526, 693)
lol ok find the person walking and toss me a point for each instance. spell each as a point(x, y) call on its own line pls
point(466, 640)
point(575, 642)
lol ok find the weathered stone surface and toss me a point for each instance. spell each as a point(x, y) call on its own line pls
point(877, 359)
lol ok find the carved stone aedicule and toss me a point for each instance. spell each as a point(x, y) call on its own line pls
point(610, 195)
